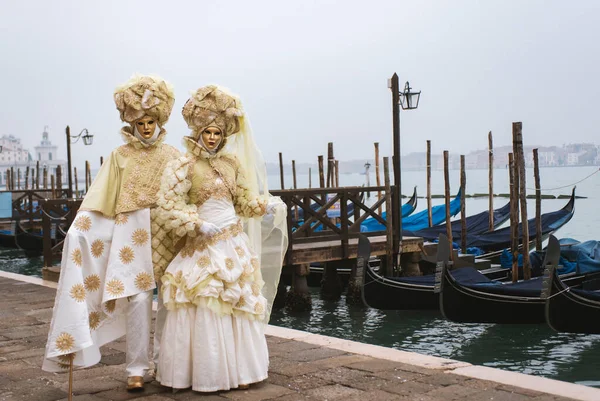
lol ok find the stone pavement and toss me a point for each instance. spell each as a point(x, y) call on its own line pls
point(299, 370)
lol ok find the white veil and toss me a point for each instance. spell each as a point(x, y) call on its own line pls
point(268, 234)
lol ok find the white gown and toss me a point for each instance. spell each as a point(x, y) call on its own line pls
point(213, 338)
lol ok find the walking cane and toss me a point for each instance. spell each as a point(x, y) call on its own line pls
point(71, 357)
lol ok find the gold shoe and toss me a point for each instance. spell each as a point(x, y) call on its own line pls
point(243, 387)
point(135, 383)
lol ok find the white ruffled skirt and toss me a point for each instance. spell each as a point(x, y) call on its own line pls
point(211, 352)
point(213, 338)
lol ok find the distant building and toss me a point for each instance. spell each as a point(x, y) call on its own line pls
point(573, 158)
point(548, 158)
point(14, 155)
point(45, 151)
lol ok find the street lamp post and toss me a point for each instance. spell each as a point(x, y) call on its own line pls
point(408, 100)
point(87, 140)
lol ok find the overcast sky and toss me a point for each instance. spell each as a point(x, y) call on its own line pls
point(310, 72)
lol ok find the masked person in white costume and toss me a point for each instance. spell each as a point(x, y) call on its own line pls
point(107, 276)
point(219, 289)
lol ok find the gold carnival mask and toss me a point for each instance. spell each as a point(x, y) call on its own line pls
point(145, 126)
point(212, 138)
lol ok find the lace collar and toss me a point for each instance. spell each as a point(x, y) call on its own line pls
point(128, 137)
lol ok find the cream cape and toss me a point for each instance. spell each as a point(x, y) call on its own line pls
point(107, 254)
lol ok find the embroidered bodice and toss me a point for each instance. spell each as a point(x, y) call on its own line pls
point(199, 179)
point(129, 179)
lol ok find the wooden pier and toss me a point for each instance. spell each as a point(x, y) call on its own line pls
point(319, 237)
point(26, 204)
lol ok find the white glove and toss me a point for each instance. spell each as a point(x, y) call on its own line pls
point(209, 229)
point(274, 205)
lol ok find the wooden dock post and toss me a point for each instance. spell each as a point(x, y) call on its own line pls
point(37, 175)
point(76, 186)
point(296, 214)
point(518, 138)
point(331, 285)
point(321, 172)
point(447, 200)
point(491, 180)
point(538, 202)
point(463, 202)
point(428, 162)
point(389, 265)
point(377, 174)
point(27, 178)
point(45, 177)
point(330, 165)
point(52, 188)
point(298, 297)
point(281, 170)
point(32, 178)
point(337, 173)
point(59, 179)
point(309, 177)
point(514, 219)
point(281, 296)
point(87, 174)
point(18, 178)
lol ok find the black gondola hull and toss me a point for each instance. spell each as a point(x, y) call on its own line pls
point(463, 304)
point(570, 311)
point(381, 293)
point(7, 241)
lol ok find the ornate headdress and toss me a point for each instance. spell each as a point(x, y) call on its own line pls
point(145, 95)
point(212, 106)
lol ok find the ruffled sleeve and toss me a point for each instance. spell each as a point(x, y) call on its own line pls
point(173, 209)
point(247, 203)
point(172, 218)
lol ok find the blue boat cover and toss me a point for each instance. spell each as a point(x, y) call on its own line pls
point(500, 239)
point(6, 205)
point(476, 224)
point(463, 274)
point(526, 288)
point(585, 255)
point(418, 221)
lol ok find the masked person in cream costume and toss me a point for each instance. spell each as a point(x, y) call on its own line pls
point(107, 272)
point(219, 289)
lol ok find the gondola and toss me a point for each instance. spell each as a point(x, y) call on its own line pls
point(571, 310)
point(487, 301)
point(476, 224)
point(32, 243)
point(409, 207)
point(494, 242)
point(7, 239)
point(414, 293)
point(417, 221)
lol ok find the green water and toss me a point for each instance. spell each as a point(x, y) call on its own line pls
point(531, 349)
point(14, 261)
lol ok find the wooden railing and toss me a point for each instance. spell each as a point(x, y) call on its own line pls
point(26, 202)
point(318, 226)
point(57, 216)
